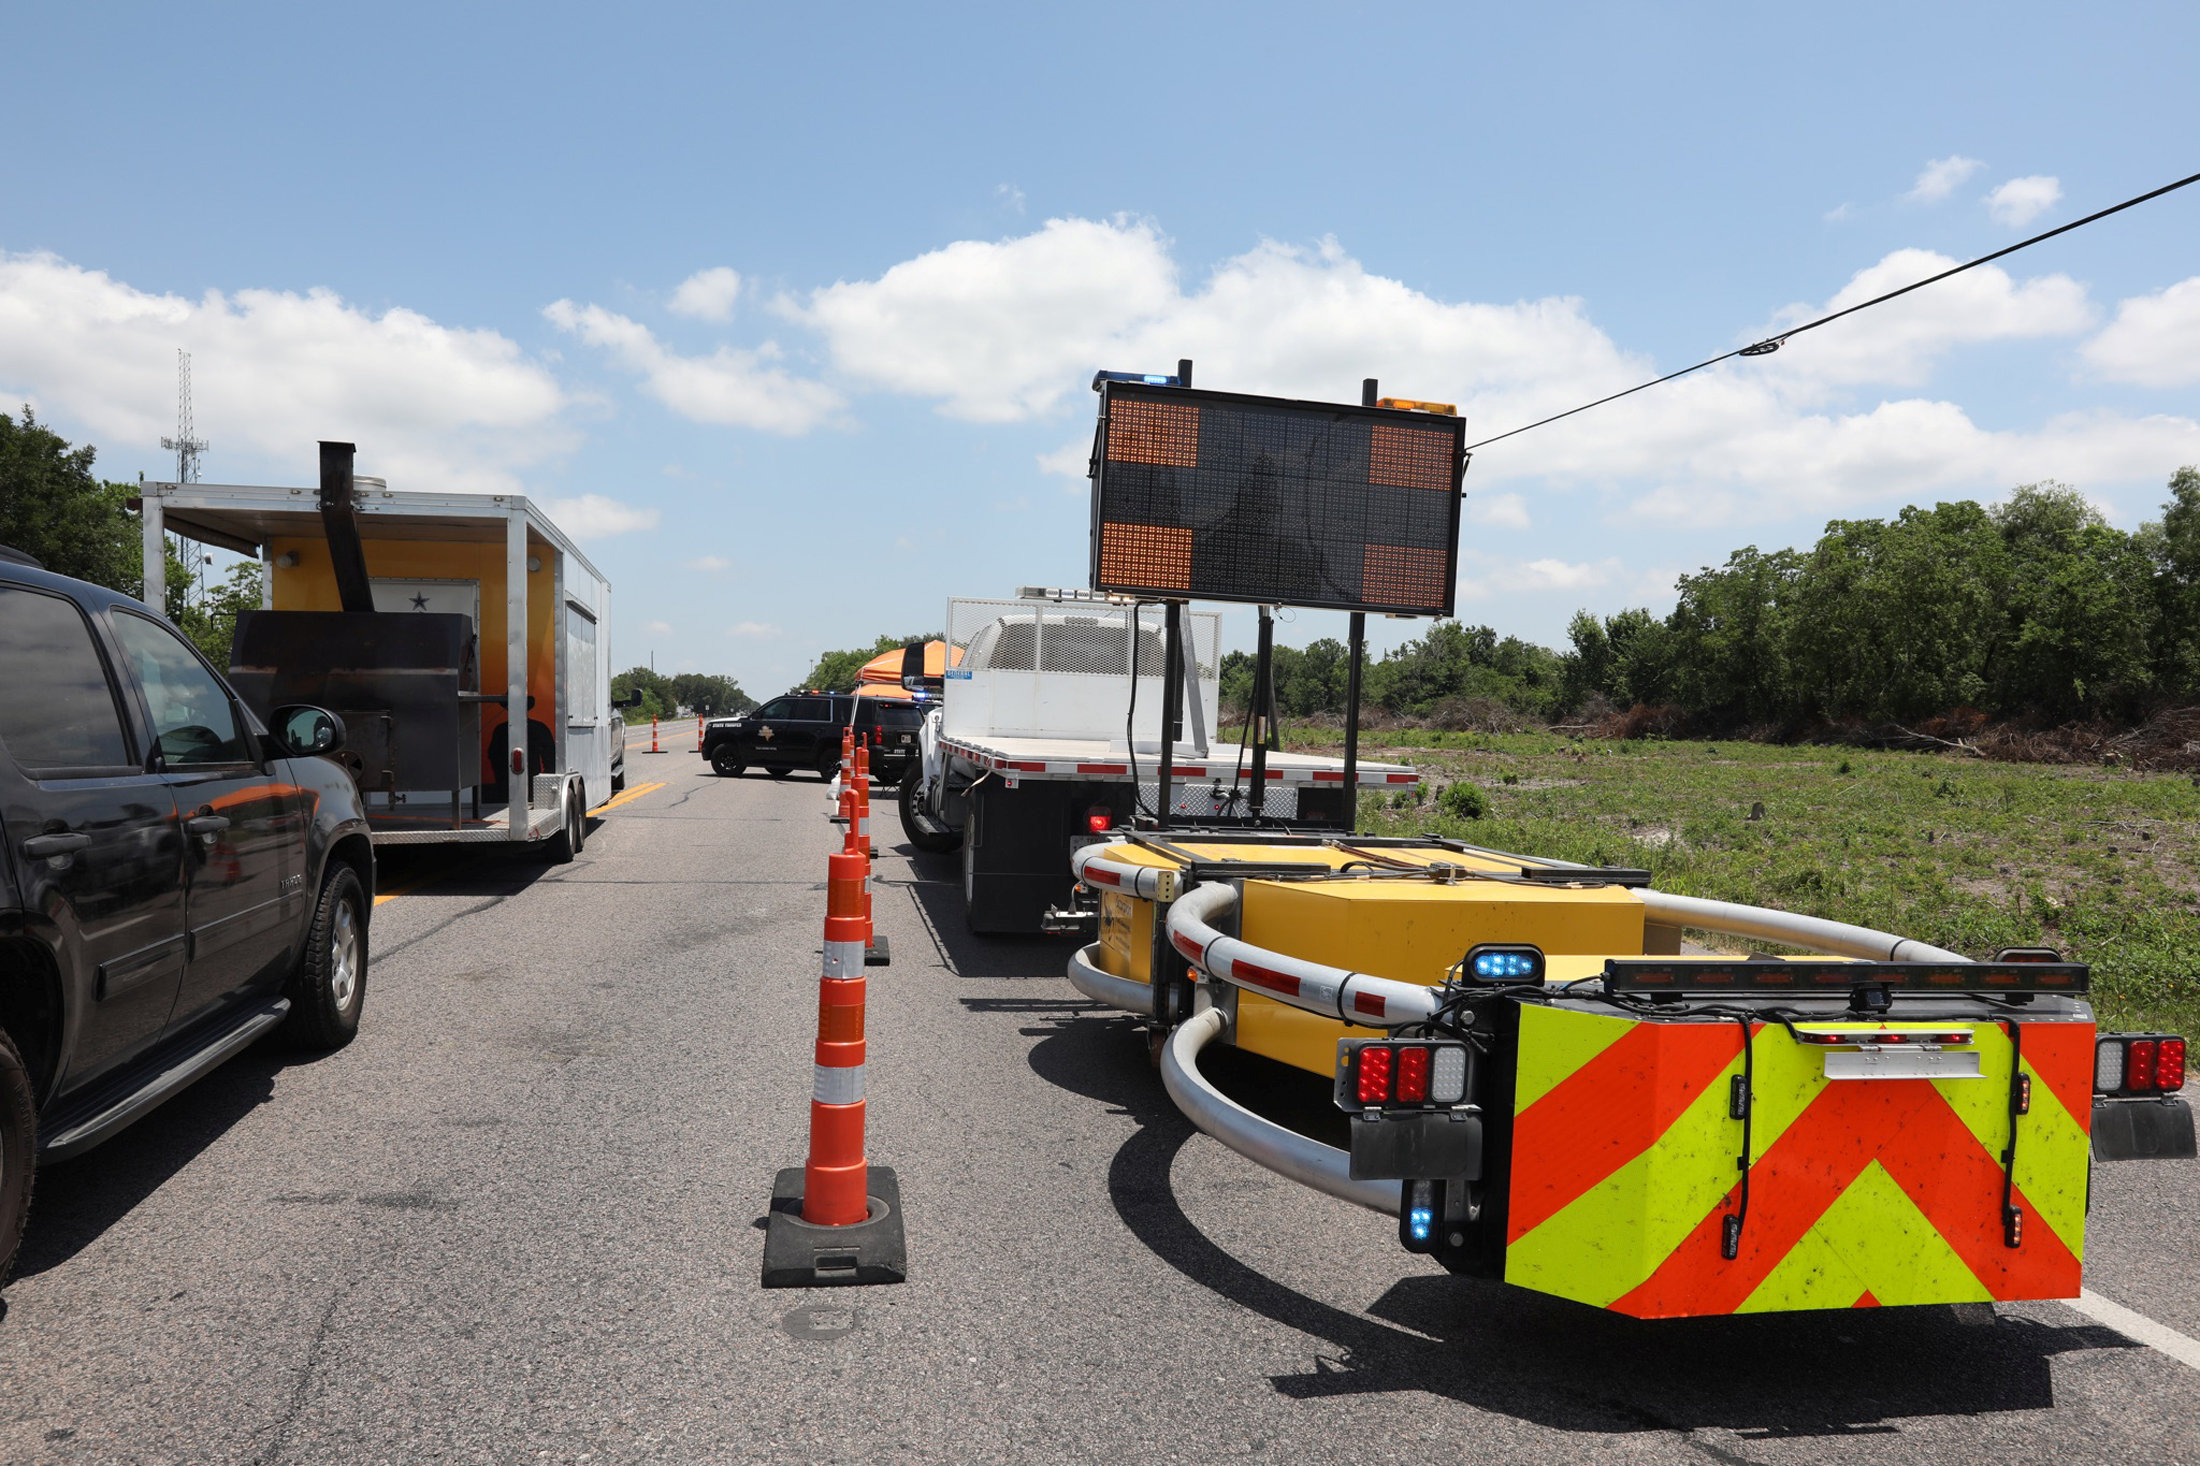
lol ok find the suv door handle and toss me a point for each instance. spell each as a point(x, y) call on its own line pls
point(66, 842)
point(207, 826)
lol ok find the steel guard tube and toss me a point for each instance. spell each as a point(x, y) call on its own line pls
point(1350, 997)
point(1286, 1152)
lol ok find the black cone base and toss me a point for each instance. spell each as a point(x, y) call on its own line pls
point(877, 954)
point(799, 1254)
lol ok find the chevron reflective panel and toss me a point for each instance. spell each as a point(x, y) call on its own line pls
point(1626, 1169)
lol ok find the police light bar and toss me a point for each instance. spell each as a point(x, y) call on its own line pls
point(1775, 975)
point(1151, 379)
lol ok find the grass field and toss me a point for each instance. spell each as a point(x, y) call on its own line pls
point(2101, 863)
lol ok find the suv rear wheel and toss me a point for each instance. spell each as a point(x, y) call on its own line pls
point(18, 1150)
point(329, 988)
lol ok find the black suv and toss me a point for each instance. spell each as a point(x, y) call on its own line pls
point(801, 730)
point(174, 880)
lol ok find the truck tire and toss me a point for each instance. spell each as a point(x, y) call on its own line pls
point(329, 989)
point(917, 823)
point(725, 760)
point(18, 1151)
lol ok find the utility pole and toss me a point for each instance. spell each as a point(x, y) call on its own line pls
point(187, 449)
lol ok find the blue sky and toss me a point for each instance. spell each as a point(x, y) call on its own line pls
point(791, 311)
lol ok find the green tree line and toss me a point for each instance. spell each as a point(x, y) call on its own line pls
point(2036, 609)
point(664, 697)
point(836, 671)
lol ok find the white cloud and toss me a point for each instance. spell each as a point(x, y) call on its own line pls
point(753, 630)
point(713, 564)
point(1010, 196)
point(595, 517)
point(664, 628)
point(1011, 330)
point(2021, 200)
point(1482, 575)
point(2154, 340)
point(1941, 177)
point(707, 295)
point(1897, 343)
point(731, 386)
point(1506, 511)
point(430, 406)
point(999, 331)
point(1071, 460)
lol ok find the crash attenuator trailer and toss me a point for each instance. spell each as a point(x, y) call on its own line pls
point(433, 623)
point(1542, 1087)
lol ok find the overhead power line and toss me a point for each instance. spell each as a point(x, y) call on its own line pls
point(1773, 343)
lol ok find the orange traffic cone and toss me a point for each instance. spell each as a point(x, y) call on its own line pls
point(837, 1219)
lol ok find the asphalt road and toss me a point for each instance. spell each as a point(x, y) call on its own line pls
point(519, 1220)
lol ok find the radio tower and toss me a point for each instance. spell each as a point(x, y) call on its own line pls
point(187, 450)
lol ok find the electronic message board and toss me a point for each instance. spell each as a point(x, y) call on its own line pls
point(1221, 497)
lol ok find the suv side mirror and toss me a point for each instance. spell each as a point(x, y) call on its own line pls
point(304, 730)
point(631, 700)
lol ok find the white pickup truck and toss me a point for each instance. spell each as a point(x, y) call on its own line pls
point(1048, 735)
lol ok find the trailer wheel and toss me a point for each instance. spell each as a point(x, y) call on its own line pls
point(560, 848)
point(18, 1150)
point(917, 823)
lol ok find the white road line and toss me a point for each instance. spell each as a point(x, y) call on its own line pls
point(2137, 1326)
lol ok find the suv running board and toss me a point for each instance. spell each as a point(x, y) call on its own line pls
point(81, 1134)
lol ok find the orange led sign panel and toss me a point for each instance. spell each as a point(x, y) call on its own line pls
point(1220, 496)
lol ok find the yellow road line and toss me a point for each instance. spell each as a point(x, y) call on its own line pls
point(634, 793)
point(404, 888)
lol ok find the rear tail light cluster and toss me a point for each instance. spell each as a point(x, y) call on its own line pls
point(1770, 974)
point(1381, 1074)
point(1099, 819)
point(2138, 1063)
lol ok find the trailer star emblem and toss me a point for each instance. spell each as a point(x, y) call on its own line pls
point(420, 603)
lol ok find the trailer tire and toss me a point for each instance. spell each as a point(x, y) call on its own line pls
point(18, 1150)
point(329, 990)
point(725, 760)
point(918, 825)
point(560, 848)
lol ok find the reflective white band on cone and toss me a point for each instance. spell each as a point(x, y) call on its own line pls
point(836, 1086)
point(844, 959)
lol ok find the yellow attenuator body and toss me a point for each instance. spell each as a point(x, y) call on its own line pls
point(1411, 931)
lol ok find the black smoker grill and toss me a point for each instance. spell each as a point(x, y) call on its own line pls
point(404, 682)
point(401, 680)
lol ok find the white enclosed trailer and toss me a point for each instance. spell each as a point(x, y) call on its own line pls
point(540, 615)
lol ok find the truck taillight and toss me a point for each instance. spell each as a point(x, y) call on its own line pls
point(1413, 1076)
point(519, 760)
point(1099, 819)
point(2138, 1063)
point(1384, 1074)
point(1373, 1086)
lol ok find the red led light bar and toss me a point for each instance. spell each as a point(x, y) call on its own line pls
point(1656, 975)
